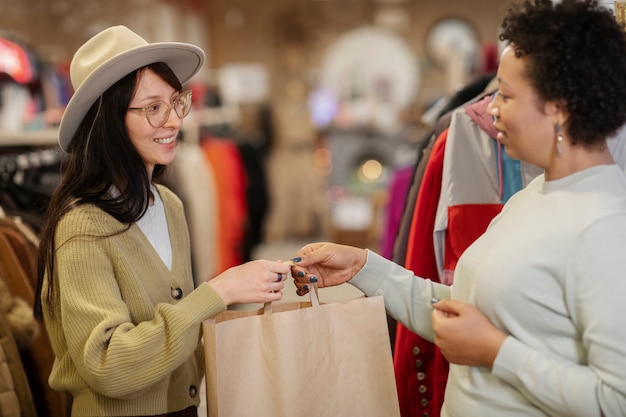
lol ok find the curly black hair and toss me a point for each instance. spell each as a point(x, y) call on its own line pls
point(576, 54)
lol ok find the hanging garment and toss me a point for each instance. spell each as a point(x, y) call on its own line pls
point(39, 357)
point(16, 399)
point(27, 181)
point(421, 371)
point(18, 329)
point(16, 277)
point(392, 217)
point(257, 197)
point(230, 181)
point(193, 180)
point(475, 173)
point(25, 252)
point(26, 184)
point(393, 210)
point(297, 204)
point(465, 96)
point(402, 235)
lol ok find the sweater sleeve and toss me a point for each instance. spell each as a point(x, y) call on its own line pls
point(407, 297)
point(118, 350)
point(594, 290)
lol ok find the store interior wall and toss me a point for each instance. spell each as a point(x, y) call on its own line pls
point(287, 37)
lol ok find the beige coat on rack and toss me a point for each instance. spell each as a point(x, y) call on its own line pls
point(297, 205)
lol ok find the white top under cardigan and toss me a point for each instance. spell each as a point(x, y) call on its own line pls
point(153, 224)
point(550, 272)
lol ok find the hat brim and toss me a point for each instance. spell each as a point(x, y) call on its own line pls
point(184, 59)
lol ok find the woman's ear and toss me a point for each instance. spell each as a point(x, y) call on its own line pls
point(558, 111)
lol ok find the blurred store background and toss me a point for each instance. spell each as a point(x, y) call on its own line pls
point(308, 112)
point(323, 102)
point(309, 118)
point(330, 95)
point(334, 96)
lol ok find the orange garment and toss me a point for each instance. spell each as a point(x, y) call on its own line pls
point(230, 185)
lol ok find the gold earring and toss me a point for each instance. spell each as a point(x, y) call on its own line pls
point(559, 140)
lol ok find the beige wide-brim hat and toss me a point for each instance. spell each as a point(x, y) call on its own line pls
point(111, 55)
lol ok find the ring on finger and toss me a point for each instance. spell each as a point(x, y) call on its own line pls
point(280, 277)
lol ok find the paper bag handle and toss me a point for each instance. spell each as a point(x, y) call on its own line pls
point(315, 301)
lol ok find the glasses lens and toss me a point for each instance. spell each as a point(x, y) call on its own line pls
point(157, 114)
point(182, 104)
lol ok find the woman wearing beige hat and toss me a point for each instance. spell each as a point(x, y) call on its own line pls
point(115, 284)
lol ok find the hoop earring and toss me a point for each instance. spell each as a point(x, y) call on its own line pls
point(559, 141)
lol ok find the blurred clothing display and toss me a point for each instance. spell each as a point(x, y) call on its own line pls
point(19, 332)
point(297, 202)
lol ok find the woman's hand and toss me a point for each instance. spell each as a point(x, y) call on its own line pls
point(464, 335)
point(253, 282)
point(327, 264)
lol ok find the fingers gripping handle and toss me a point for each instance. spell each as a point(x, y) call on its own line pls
point(313, 295)
point(315, 300)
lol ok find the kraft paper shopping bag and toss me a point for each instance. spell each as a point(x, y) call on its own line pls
point(301, 360)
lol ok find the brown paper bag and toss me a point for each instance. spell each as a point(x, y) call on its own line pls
point(301, 360)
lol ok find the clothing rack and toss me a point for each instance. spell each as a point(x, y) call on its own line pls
point(13, 166)
point(27, 180)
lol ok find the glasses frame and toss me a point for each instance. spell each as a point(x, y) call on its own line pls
point(171, 105)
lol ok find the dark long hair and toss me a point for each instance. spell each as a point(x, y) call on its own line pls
point(101, 156)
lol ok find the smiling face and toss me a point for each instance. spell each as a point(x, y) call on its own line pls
point(526, 125)
point(156, 145)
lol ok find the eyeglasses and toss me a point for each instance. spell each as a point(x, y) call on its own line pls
point(158, 112)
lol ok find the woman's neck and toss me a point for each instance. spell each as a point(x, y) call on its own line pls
point(577, 158)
